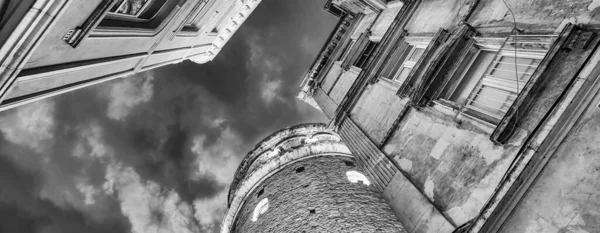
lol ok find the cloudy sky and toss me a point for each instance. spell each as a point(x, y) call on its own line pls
point(156, 152)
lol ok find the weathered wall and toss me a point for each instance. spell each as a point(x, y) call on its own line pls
point(384, 21)
point(566, 195)
point(412, 209)
point(325, 103)
point(339, 205)
point(363, 25)
point(455, 165)
point(377, 109)
point(434, 14)
point(532, 15)
point(332, 76)
point(343, 84)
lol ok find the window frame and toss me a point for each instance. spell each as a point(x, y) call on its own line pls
point(133, 26)
point(467, 107)
point(92, 27)
point(407, 63)
point(366, 53)
point(412, 43)
point(137, 15)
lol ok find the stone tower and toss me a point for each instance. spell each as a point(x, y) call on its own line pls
point(304, 179)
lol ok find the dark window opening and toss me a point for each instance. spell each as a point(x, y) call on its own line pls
point(260, 192)
point(138, 14)
point(312, 211)
point(349, 164)
point(300, 169)
point(361, 62)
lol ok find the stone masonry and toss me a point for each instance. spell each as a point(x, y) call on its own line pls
point(302, 174)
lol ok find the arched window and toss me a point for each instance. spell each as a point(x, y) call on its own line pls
point(355, 177)
point(260, 208)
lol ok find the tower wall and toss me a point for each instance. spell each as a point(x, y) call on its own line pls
point(338, 204)
point(296, 180)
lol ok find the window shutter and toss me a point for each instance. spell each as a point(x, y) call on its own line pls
point(414, 79)
point(361, 44)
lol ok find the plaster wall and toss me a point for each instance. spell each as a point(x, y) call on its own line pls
point(30, 86)
point(412, 209)
point(332, 76)
point(53, 50)
point(565, 197)
point(385, 19)
point(455, 165)
point(160, 57)
point(434, 14)
point(364, 24)
point(532, 15)
point(343, 84)
point(377, 109)
point(204, 24)
point(338, 204)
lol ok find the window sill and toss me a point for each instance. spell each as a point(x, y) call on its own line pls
point(354, 69)
point(445, 107)
point(390, 84)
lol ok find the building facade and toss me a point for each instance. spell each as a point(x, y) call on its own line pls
point(304, 179)
point(468, 115)
point(49, 47)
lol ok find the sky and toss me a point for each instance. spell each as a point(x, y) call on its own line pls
point(156, 152)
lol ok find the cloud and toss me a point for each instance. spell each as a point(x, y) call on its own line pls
point(145, 154)
point(149, 207)
point(91, 144)
point(31, 126)
point(88, 191)
point(270, 91)
point(210, 211)
point(127, 94)
point(224, 155)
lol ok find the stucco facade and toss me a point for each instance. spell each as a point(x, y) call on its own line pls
point(459, 139)
point(304, 179)
point(49, 47)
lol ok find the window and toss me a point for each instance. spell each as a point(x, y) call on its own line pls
point(312, 211)
point(299, 169)
point(124, 18)
point(364, 57)
point(402, 61)
point(136, 10)
point(260, 192)
point(355, 177)
point(130, 7)
point(135, 18)
point(486, 84)
point(260, 208)
point(349, 164)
